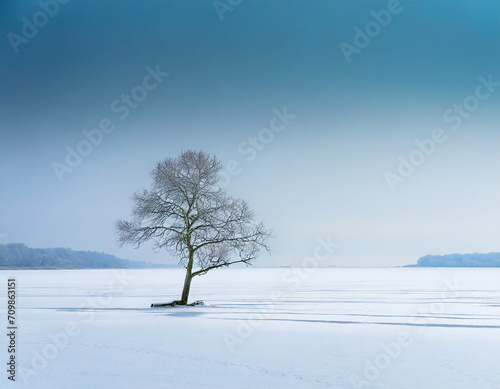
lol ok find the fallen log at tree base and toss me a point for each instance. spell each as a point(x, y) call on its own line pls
point(177, 304)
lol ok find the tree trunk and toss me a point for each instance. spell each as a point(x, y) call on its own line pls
point(187, 280)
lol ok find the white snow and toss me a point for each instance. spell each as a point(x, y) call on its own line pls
point(262, 328)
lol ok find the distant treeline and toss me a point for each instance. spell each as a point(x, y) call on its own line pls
point(460, 260)
point(19, 256)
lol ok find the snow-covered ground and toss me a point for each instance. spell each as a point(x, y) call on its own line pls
point(387, 328)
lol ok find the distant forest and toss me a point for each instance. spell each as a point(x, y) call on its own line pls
point(460, 260)
point(19, 256)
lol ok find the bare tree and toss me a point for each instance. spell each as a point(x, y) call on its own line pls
point(187, 213)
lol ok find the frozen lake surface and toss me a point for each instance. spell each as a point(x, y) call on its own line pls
point(386, 328)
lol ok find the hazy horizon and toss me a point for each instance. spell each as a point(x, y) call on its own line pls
point(319, 120)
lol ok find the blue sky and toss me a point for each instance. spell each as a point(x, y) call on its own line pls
point(333, 170)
